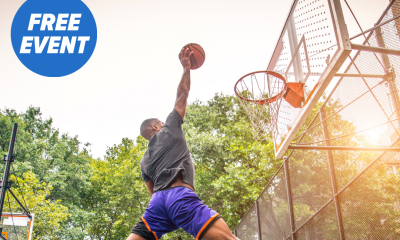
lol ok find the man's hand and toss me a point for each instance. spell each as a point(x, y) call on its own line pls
point(184, 57)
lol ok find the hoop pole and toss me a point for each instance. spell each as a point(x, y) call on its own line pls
point(6, 184)
point(8, 159)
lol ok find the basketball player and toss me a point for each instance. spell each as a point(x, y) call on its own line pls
point(168, 171)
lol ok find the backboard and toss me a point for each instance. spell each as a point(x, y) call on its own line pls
point(17, 226)
point(312, 47)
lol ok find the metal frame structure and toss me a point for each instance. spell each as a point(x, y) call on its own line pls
point(338, 191)
point(381, 50)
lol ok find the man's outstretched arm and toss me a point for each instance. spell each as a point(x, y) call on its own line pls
point(184, 85)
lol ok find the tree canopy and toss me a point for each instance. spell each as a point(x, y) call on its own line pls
point(76, 196)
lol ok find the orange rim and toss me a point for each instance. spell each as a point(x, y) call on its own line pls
point(266, 100)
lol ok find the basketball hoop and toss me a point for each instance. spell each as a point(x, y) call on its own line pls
point(260, 93)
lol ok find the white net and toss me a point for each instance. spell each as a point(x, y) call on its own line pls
point(260, 94)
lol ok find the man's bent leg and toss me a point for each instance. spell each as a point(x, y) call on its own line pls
point(219, 230)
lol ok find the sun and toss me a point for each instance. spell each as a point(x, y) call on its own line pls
point(375, 136)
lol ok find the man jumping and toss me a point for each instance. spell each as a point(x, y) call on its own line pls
point(168, 171)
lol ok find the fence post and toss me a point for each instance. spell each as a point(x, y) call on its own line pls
point(333, 177)
point(393, 92)
point(258, 221)
point(289, 195)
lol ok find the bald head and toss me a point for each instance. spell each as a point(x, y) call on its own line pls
point(149, 127)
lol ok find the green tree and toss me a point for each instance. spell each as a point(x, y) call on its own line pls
point(118, 195)
point(54, 159)
point(231, 168)
point(50, 215)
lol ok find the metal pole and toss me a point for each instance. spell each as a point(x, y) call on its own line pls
point(376, 49)
point(258, 221)
point(333, 177)
point(359, 75)
point(289, 195)
point(376, 26)
point(378, 149)
point(388, 69)
point(9, 159)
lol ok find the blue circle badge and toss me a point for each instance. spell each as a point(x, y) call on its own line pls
point(54, 38)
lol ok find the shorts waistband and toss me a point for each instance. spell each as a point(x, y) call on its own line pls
point(169, 188)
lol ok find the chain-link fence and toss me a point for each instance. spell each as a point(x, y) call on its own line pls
point(338, 194)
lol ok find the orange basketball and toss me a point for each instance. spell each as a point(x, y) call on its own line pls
point(198, 57)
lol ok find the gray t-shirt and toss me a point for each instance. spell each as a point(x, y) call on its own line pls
point(167, 155)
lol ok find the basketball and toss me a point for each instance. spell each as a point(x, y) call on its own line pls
point(198, 57)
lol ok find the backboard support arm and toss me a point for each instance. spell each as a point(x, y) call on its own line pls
point(380, 50)
point(293, 43)
point(20, 204)
point(343, 148)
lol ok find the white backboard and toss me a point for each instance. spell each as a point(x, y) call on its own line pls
point(312, 47)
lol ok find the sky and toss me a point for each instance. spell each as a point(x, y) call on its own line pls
point(134, 71)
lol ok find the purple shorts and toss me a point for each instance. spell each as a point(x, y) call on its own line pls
point(174, 208)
